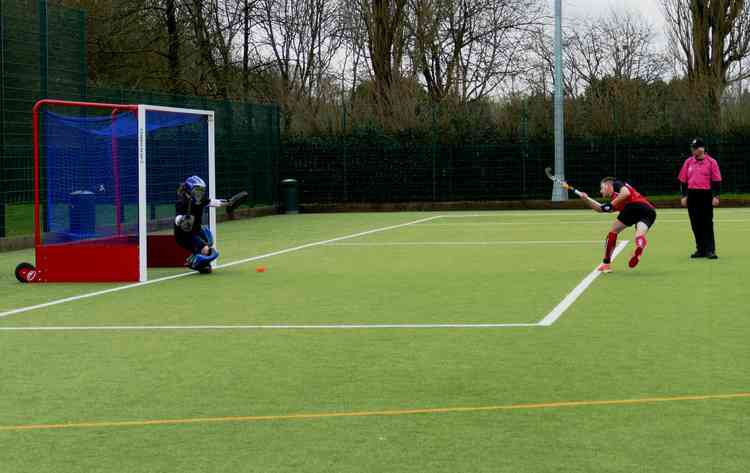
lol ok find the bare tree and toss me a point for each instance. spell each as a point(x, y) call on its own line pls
point(139, 43)
point(384, 23)
point(586, 54)
point(355, 62)
point(709, 38)
point(541, 65)
point(300, 38)
point(215, 27)
point(248, 8)
point(620, 45)
point(173, 48)
point(467, 48)
point(631, 43)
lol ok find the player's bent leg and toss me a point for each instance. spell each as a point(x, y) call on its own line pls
point(610, 242)
point(609, 246)
point(640, 243)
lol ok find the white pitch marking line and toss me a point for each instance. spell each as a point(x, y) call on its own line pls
point(521, 213)
point(575, 222)
point(233, 263)
point(551, 222)
point(575, 293)
point(255, 327)
point(467, 243)
point(557, 213)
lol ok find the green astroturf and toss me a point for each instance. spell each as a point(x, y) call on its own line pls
point(672, 327)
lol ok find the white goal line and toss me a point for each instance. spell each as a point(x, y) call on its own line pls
point(467, 243)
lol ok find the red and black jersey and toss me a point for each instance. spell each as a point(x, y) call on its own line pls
point(635, 197)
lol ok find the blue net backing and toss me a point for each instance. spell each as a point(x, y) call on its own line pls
point(176, 148)
point(91, 167)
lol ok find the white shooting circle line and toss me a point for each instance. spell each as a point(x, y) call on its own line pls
point(560, 309)
point(89, 295)
point(122, 328)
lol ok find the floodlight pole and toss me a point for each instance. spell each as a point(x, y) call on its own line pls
point(558, 193)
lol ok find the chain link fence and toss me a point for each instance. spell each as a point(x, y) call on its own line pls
point(339, 171)
point(43, 55)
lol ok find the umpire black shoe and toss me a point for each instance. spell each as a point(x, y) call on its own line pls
point(698, 254)
point(711, 255)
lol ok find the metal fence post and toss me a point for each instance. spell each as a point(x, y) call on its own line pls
point(3, 178)
point(43, 93)
point(434, 152)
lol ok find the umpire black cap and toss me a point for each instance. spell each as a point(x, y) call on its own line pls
point(697, 143)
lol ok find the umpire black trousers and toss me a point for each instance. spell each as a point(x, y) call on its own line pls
point(701, 211)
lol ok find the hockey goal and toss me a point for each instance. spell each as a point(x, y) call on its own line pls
point(105, 182)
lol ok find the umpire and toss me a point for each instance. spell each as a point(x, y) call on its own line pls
point(700, 184)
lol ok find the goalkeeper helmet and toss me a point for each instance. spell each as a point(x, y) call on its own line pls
point(196, 187)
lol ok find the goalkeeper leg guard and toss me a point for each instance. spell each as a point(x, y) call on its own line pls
point(207, 236)
point(201, 261)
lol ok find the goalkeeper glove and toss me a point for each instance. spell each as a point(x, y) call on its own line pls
point(218, 203)
point(185, 222)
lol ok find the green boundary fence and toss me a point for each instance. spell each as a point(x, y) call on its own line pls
point(43, 55)
point(335, 170)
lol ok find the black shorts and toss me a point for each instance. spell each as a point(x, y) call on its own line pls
point(634, 213)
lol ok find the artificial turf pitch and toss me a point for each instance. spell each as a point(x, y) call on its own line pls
point(665, 343)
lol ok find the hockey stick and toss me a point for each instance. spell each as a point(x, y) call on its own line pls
point(236, 200)
point(566, 186)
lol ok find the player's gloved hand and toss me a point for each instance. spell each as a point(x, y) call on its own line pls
point(583, 195)
point(185, 222)
point(607, 207)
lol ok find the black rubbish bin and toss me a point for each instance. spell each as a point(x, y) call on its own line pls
point(290, 194)
point(82, 214)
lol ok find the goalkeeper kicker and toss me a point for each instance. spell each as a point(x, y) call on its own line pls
point(189, 231)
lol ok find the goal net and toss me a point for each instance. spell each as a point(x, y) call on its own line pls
point(105, 182)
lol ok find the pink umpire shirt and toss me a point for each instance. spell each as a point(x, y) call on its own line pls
point(699, 174)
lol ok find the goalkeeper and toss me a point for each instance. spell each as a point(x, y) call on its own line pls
point(188, 224)
point(634, 209)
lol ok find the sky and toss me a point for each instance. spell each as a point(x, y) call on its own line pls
point(581, 8)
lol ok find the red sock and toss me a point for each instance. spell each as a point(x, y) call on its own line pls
point(610, 247)
point(641, 242)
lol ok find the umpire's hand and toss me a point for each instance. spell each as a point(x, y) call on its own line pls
point(683, 201)
point(715, 202)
